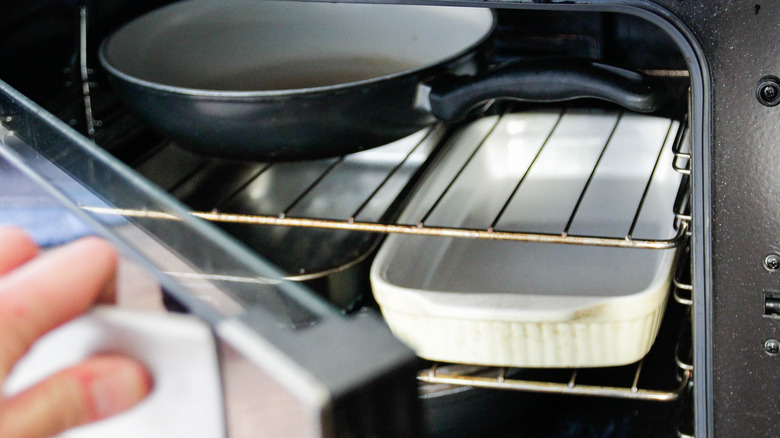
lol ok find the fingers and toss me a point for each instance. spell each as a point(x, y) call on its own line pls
point(38, 294)
point(95, 389)
point(16, 248)
point(50, 290)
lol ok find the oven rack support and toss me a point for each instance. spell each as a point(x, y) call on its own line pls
point(682, 291)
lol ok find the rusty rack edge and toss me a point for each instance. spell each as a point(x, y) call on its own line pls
point(419, 229)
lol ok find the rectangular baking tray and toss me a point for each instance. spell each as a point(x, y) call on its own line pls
point(589, 172)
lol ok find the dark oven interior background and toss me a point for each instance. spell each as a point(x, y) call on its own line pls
point(40, 46)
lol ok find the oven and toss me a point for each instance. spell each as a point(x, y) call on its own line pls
point(286, 260)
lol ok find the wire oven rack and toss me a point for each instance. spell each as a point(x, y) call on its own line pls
point(353, 220)
point(500, 378)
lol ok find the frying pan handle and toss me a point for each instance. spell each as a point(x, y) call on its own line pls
point(545, 80)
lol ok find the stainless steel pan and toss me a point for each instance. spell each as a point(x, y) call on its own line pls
point(297, 80)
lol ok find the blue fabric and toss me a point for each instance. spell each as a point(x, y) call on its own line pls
point(26, 204)
point(47, 225)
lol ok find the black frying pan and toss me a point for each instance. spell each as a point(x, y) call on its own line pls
point(280, 80)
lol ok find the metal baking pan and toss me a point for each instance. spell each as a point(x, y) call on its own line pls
point(362, 187)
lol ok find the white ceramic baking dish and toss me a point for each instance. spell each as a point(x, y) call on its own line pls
point(530, 304)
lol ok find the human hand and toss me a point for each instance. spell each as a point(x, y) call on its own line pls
point(39, 292)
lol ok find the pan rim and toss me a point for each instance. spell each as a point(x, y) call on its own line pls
point(191, 92)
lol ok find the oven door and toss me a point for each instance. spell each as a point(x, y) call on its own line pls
point(289, 364)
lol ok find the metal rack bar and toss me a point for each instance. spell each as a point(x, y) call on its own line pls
point(525, 174)
point(632, 392)
point(457, 175)
point(634, 384)
point(191, 174)
point(590, 179)
point(682, 288)
point(667, 73)
point(387, 178)
point(311, 187)
point(84, 73)
point(680, 155)
point(679, 286)
point(647, 187)
point(243, 185)
point(405, 229)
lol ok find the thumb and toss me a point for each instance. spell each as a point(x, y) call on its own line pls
point(97, 388)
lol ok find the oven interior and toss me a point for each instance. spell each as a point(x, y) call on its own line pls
point(322, 221)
